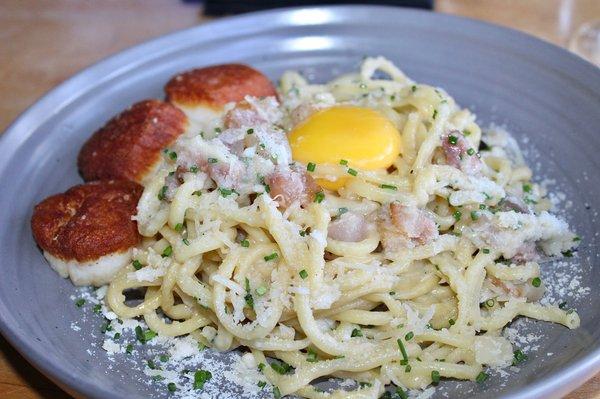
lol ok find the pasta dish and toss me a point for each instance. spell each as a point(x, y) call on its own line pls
point(365, 228)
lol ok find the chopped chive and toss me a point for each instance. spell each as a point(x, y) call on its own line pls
point(536, 282)
point(482, 207)
point(302, 233)
point(173, 155)
point(319, 197)
point(413, 88)
point(471, 151)
point(164, 358)
point(518, 357)
point(576, 238)
point(451, 322)
point(365, 384)
point(213, 160)
point(137, 265)
point(129, 349)
point(402, 350)
point(303, 274)
point(171, 387)
point(311, 356)
point(250, 131)
point(409, 336)
point(261, 367)
point(466, 132)
point(342, 210)
point(218, 129)
point(435, 377)
point(281, 367)
point(194, 169)
point(144, 336)
point(389, 187)
point(490, 303)
point(261, 384)
point(527, 188)
point(457, 215)
point(343, 162)
point(530, 201)
point(356, 333)
point(97, 308)
point(162, 194)
point(352, 172)
point(399, 391)
point(311, 167)
point(168, 251)
point(435, 112)
point(452, 139)
point(262, 290)
point(151, 364)
point(567, 254)
point(80, 302)
point(179, 227)
point(201, 377)
point(271, 257)
point(485, 250)
point(562, 305)
point(225, 192)
point(474, 215)
point(407, 368)
point(186, 241)
point(276, 393)
point(245, 243)
point(197, 193)
point(481, 377)
point(117, 336)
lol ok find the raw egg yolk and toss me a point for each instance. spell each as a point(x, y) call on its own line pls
point(362, 136)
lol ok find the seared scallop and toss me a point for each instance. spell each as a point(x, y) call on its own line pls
point(202, 93)
point(87, 233)
point(129, 145)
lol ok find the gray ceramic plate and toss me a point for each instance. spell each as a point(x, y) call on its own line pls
point(538, 91)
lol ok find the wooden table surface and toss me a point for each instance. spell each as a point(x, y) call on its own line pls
point(44, 42)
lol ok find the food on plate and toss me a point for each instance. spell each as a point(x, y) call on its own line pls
point(203, 93)
point(366, 228)
point(130, 145)
point(87, 233)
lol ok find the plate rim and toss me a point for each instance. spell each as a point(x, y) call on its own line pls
point(65, 93)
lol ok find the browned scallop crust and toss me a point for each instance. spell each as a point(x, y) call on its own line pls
point(88, 221)
point(129, 145)
point(218, 85)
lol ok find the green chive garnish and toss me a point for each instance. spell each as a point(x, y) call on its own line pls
point(485, 251)
point(79, 303)
point(319, 197)
point(162, 194)
point(536, 282)
point(435, 377)
point(389, 187)
point(245, 243)
point(481, 377)
point(402, 350)
point(271, 257)
point(171, 387)
point(168, 251)
point(356, 333)
point(471, 151)
point(311, 167)
point(281, 367)
point(303, 274)
point(311, 356)
point(518, 357)
point(474, 215)
point(457, 215)
point(452, 139)
point(352, 172)
point(343, 162)
point(409, 336)
point(200, 377)
point(137, 265)
point(262, 290)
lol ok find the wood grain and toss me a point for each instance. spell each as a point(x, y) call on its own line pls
point(44, 42)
